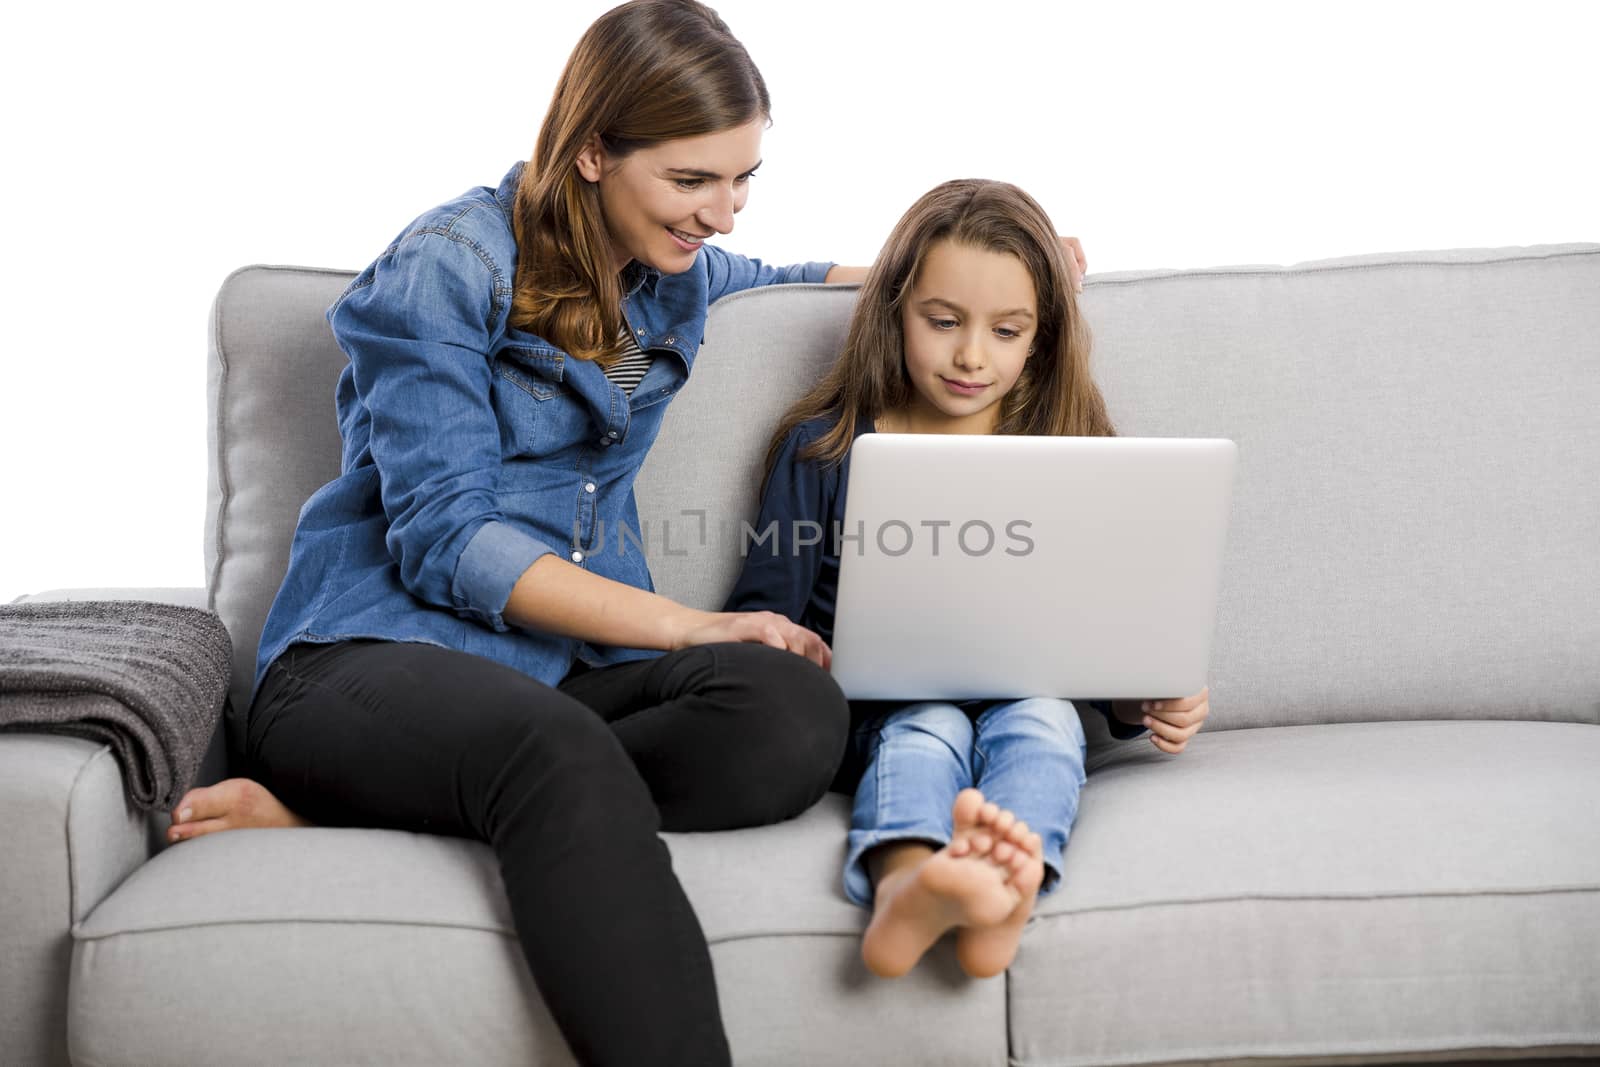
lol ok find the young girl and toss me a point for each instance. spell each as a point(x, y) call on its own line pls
point(965, 324)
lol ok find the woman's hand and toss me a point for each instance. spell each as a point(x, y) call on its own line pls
point(1076, 263)
point(757, 627)
point(1171, 722)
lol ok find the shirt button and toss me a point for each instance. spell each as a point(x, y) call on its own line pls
point(588, 487)
point(577, 557)
point(611, 434)
point(605, 442)
point(640, 331)
point(670, 340)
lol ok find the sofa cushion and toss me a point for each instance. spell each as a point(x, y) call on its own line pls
point(1416, 511)
point(1338, 890)
point(271, 368)
point(272, 929)
point(1293, 892)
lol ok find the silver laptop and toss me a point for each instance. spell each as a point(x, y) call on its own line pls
point(991, 566)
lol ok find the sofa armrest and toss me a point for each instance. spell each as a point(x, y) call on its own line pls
point(214, 765)
point(69, 838)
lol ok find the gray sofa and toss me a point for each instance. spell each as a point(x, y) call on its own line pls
point(1384, 848)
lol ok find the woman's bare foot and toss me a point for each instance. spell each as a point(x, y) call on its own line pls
point(985, 951)
point(922, 894)
point(232, 804)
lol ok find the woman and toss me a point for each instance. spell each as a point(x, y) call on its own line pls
point(452, 650)
point(458, 647)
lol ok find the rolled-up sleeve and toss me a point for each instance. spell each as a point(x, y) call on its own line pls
point(418, 337)
point(729, 272)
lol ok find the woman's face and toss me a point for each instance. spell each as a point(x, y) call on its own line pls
point(661, 203)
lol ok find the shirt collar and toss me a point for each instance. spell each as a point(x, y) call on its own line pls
point(506, 194)
point(636, 276)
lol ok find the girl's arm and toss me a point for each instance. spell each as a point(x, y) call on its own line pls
point(1171, 722)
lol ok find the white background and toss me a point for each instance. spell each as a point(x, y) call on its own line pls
point(151, 149)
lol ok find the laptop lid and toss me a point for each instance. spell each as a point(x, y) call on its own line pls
point(976, 566)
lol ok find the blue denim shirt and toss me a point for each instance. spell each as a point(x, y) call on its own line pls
point(472, 448)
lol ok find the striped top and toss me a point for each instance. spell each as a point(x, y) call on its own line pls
point(630, 366)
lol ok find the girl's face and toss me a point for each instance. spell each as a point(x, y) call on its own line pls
point(661, 203)
point(969, 323)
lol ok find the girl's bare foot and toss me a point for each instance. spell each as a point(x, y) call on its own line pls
point(232, 804)
point(985, 951)
point(922, 894)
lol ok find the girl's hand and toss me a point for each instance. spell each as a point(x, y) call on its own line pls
point(1171, 722)
point(757, 627)
point(1076, 263)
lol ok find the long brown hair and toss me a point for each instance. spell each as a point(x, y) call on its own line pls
point(1055, 394)
point(645, 72)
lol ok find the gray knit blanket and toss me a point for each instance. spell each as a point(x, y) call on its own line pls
point(147, 679)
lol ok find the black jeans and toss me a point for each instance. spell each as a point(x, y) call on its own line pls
point(569, 786)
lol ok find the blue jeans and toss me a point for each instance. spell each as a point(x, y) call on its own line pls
point(1026, 756)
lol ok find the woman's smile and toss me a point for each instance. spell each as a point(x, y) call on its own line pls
point(687, 241)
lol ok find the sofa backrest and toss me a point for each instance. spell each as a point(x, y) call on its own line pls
point(1416, 518)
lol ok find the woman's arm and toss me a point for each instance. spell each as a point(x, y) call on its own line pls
point(1076, 264)
point(418, 329)
point(729, 272)
point(422, 363)
point(556, 597)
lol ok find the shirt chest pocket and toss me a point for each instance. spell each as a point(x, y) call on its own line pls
point(539, 417)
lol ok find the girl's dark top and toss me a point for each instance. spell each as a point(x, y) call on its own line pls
point(791, 565)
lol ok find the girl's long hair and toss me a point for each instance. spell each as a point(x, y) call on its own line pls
point(1055, 394)
point(645, 72)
